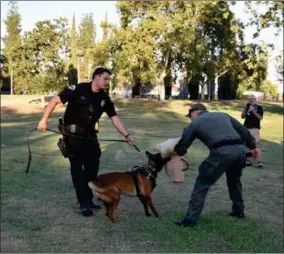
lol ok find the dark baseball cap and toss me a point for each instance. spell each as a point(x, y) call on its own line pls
point(197, 106)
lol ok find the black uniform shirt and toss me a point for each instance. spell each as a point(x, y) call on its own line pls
point(85, 107)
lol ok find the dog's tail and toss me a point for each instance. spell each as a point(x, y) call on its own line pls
point(95, 187)
point(102, 193)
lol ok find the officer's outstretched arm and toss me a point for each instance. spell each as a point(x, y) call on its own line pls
point(186, 140)
point(118, 124)
point(47, 112)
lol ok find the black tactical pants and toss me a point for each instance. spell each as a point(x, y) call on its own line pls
point(229, 159)
point(84, 163)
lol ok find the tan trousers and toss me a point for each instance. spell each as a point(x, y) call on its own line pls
point(256, 134)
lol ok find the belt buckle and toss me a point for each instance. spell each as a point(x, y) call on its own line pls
point(73, 128)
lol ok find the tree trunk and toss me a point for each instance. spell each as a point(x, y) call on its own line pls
point(161, 85)
point(216, 88)
point(216, 84)
point(202, 97)
point(161, 89)
point(136, 88)
point(209, 90)
point(166, 71)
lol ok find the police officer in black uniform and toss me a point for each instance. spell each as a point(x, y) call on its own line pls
point(86, 104)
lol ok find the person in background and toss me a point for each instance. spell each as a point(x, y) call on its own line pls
point(253, 114)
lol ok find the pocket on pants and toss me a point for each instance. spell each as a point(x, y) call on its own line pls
point(209, 172)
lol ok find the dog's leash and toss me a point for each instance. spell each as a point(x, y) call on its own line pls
point(68, 134)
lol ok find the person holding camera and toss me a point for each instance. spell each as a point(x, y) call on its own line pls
point(253, 114)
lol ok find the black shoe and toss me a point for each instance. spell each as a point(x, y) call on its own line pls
point(185, 223)
point(239, 215)
point(85, 210)
point(95, 206)
point(248, 164)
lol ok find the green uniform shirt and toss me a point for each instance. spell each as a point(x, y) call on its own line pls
point(211, 128)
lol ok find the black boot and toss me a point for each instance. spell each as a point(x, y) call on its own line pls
point(85, 210)
point(185, 223)
point(95, 206)
point(239, 215)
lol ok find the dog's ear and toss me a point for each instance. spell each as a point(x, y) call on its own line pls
point(148, 154)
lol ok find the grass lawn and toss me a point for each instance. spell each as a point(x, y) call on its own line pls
point(39, 211)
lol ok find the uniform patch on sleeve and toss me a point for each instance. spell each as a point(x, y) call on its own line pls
point(73, 87)
point(103, 102)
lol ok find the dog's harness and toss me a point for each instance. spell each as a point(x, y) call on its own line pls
point(149, 173)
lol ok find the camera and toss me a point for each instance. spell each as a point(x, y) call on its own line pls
point(249, 108)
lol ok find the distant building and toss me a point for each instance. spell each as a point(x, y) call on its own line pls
point(124, 91)
point(259, 95)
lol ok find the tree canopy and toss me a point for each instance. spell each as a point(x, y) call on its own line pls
point(199, 45)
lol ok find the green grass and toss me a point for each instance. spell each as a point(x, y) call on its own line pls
point(39, 211)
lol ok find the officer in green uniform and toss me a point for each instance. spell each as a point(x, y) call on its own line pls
point(226, 139)
point(86, 104)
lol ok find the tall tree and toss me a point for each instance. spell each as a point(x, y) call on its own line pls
point(152, 39)
point(253, 68)
point(73, 65)
point(271, 17)
point(12, 40)
point(279, 67)
point(73, 43)
point(105, 26)
point(87, 31)
point(99, 55)
point(220, 32)
point(4, 79)
point(87, 36)
point(198, 38)
point(41, 66)
point(269, 89)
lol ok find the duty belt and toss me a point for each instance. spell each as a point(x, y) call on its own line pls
point(228, 142)
point(78, 130)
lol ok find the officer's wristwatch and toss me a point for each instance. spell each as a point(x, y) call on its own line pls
point(127, 135)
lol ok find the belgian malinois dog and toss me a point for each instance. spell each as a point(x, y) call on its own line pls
point(139, 182)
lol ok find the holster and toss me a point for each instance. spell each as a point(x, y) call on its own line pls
point(62, 145)
point(63, 148)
